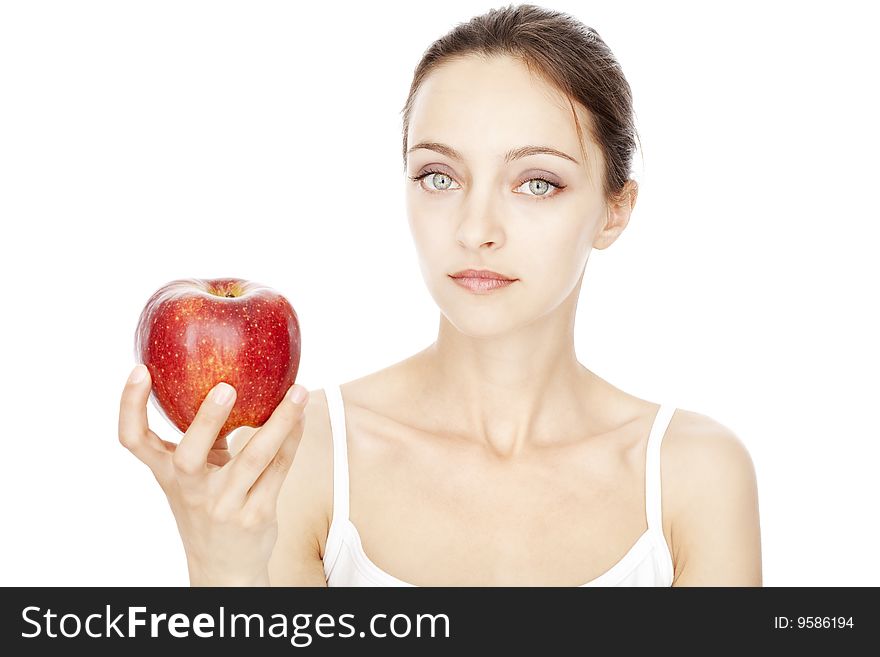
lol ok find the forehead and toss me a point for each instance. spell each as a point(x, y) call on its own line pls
point(491, 105)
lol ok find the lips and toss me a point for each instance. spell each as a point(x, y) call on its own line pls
point(482, 285)
point(481, 274)
point(481, 281)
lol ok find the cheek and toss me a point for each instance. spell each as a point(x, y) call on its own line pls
point(554, 259)
point(429, 237)
point(557, 239)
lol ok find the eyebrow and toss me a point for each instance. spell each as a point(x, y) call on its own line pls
point(512, 154)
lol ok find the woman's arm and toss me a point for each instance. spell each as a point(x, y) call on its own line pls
point(716, 530)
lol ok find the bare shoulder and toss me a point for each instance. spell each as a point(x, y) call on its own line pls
point(710, 488)
point(304, 502)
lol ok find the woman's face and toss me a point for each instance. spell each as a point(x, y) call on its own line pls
point(479, 211)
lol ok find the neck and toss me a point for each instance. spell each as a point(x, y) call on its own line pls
point(511, 391)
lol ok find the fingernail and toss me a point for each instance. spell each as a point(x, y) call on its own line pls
point(222, 393)
point(138, 374)
point(297, 394)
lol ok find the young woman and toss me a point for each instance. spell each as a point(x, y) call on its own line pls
point(492, 457)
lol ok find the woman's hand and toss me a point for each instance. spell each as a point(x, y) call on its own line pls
point(225, 506)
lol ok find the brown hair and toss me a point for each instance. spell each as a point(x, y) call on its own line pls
point(568, 55)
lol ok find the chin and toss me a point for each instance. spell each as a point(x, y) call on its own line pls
point(481, 323)
point(473, 327)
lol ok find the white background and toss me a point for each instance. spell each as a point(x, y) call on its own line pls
point(146, 141)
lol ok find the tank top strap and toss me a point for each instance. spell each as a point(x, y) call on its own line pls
point(340, 453)
point(653, 497)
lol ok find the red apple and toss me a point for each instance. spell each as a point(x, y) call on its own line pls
point(194, 333)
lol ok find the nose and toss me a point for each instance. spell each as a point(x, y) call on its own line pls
point(479, 224)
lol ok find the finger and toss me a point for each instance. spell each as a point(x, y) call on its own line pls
point(219, 454)
point(134, 432)
point(264, 493)
point(191, 455)
point(247, 466)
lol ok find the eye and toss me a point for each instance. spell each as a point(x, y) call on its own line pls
point(541, 188)
point(539, 191)
point(432, 172)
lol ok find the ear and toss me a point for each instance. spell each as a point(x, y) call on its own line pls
point(618, 213)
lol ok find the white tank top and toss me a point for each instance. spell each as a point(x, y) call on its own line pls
point(647, 563)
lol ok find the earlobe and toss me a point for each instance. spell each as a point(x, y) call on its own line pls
point(616, 219)
point(617, 214)
point(606, 239)
point(607, 235)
